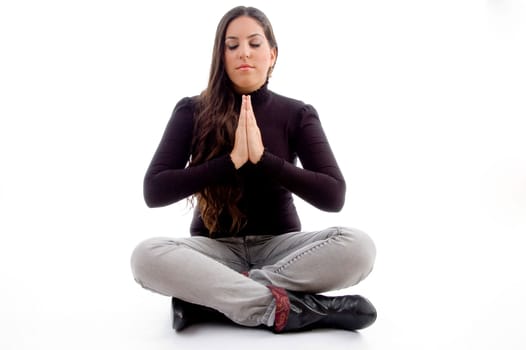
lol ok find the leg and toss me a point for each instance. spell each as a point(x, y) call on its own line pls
point(203, 271)
point(314, 262)
point(317, 262)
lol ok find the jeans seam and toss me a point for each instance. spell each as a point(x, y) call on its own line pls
point(309, 251)
point(298, 257)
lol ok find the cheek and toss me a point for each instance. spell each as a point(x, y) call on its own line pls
point(230, 68)
point(228, 62)
point(264, 59)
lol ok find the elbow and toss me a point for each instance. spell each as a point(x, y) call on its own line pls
point(336, 204)
point(150, 203)
point(332, 203)
point(336, 200)
point(150, 200)
point(155, 200)
point(151, 196)
point(157, 194)
point(337, 208)
point(330, 198)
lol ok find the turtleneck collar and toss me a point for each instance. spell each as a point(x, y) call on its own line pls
point(257, 97)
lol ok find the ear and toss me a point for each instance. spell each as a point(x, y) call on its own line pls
point(273, 56)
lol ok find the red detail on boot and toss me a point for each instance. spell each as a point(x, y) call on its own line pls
point(282, 307)
point(245, 273)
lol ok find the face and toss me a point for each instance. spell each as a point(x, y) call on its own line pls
point(248, 56)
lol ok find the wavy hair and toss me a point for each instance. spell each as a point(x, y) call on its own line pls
point(215, 124)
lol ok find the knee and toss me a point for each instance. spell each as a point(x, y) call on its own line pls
point(360, 252)
point(144, 257)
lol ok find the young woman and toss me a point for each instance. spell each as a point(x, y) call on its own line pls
point(233, 149)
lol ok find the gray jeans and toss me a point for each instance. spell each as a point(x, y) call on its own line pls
point(212, 272)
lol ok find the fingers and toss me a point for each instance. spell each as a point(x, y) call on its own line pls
point(248, 145)
point(239, 154)
point(243, 114)
point(251, 118)
point(255, 143)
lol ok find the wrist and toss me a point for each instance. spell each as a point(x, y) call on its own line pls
point(238, 163)
point(261, 155)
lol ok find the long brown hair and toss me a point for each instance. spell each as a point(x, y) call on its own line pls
point(215, 124)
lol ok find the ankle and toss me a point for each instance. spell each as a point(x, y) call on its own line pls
point(282, 312)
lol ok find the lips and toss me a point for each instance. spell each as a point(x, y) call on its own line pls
point(244, 67)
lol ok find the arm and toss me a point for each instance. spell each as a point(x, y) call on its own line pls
point(320, 181)
point(168, 179)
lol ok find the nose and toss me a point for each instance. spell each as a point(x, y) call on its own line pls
point(244, 51)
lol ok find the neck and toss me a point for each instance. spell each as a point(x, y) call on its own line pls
point(257, 96)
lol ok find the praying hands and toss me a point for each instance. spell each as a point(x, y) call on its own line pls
point(248, 145)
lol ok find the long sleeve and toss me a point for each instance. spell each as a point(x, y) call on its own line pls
point(168, 178)
point(290, 130)
point(320, 181)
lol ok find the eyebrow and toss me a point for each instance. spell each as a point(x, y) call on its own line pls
point(250, 36)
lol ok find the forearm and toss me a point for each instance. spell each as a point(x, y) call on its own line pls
point(323, 188)
point(164, 186)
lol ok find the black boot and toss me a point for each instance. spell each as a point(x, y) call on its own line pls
point(309, 311)
point(185, 314)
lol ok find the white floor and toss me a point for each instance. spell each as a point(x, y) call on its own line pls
point(449, 273)
point(427, 120)
point(431, 293)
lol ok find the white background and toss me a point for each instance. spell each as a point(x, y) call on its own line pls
point(424, 104)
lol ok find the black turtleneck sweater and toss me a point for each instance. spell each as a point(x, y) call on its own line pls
point(290, 129)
